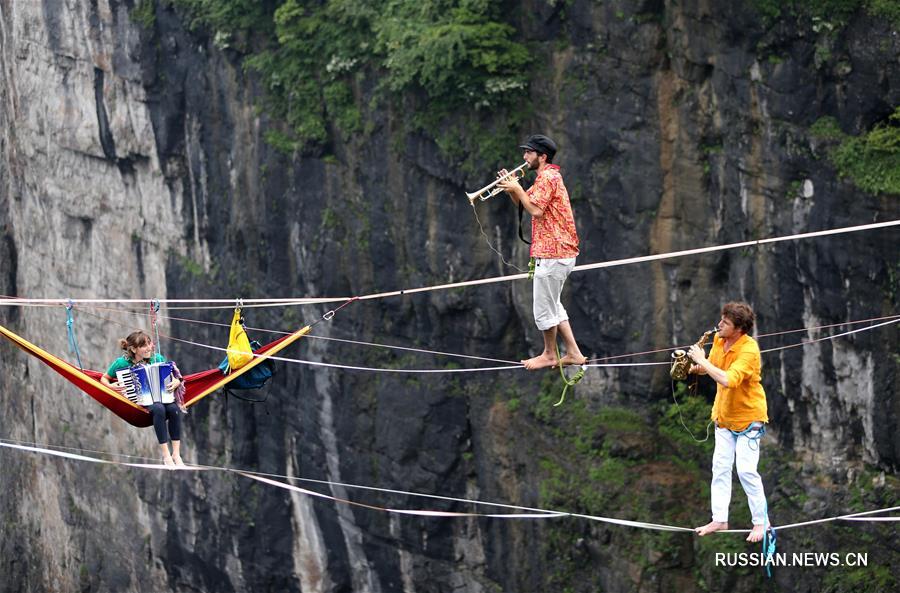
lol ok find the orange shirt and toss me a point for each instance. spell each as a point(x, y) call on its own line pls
point(744, 400)
point(553, 235)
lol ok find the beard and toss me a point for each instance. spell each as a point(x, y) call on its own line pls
point(534, 163)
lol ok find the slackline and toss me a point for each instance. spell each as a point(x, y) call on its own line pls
point(279, 302)
point(528, 512)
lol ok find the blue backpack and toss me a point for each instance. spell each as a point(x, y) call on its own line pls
point(255, 377)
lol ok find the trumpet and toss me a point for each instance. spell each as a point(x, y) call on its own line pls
point(490, 190)
point(681, 364)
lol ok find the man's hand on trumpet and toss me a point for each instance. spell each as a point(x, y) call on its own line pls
point(517, 193)
point(509, 183)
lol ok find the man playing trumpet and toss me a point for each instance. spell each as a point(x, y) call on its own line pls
point(740, 414)
point(554, 246)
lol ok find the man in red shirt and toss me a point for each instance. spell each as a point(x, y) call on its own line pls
point(554, 246)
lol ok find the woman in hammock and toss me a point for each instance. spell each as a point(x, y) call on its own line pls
point(138, 347)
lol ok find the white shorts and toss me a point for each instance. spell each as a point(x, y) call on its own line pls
point(549, 277)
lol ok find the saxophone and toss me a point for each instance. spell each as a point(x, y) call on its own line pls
point(681, 364)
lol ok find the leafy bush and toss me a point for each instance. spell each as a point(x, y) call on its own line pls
point(870, 160)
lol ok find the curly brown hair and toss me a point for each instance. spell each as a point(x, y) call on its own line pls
point(740, 314)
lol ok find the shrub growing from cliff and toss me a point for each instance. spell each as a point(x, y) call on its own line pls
point(870, 160)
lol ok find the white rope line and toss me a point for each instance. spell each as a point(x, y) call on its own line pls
point(77, 457)
point(310, 335)
point(348, 341)
point(510, 366)
point(589, 364)
point(529, 512)
point(309, 480)
point(593, 365)
point(893, 318)
point(864, 516)
point(231, 303)
point(408, 349)
point(82, 450)
point(758, 338)
point(159, 466)
point(646, 258)
point(29, 446)
point(642, 259)
point(607, 264)
point(812, 328)
point(846, 333)
point(420, 512)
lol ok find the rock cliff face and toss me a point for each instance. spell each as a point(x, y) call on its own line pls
point(132, 165)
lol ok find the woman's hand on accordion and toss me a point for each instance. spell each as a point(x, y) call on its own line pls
point(120, 389)
point(173, 384)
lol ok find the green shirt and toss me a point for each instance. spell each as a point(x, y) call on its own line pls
point(124, 363)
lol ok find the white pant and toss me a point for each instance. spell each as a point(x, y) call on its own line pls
point(740, 450)
point(549, 277)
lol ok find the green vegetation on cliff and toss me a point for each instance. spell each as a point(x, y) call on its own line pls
point(617, 462)
point(834, 12)
point(871, 160)
point(610, 461)
point(450, 64)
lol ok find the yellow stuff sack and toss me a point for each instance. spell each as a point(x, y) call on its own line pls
point(239, 350)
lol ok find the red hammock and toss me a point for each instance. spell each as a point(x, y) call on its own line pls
point(197, 385)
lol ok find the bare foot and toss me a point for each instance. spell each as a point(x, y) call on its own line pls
point(711, 527)
point(756, 534)
point(540, 362)
point(570, 359)
point(168, 460)
point(177, 459)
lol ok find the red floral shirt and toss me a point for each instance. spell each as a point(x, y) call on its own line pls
point(553, 235)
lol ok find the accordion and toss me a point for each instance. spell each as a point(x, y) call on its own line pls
point(145, 384)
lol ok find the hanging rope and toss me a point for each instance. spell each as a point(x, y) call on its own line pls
point(488, 241)
point(566, 381)
point(691, 391)
point(70, 333)
point(154, 308)
point(768, 541)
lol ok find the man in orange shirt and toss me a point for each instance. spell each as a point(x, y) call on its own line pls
point(554, 246)
point(740, 415)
